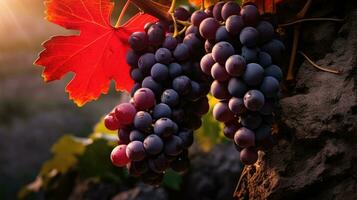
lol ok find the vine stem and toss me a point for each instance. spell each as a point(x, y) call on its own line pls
point(173, 6)
point(318, 66)
point(202, 4)
point(122, 13)
point(155, 9)
point(310, 19)
point(242, 175)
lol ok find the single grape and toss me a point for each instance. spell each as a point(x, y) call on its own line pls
point(178, 115)
point(137, 75)
point(234, 24)
point(145, 62)
point(118, 156)
point(254, 100)
point(182, 85)
point(237, 87)
point(193, 42)
point(248, 156)
point(137, 168)
point(209, 46)
point(251, 120)
point(144, 99)
point(274, 71)
point(170, 42)
point(230, 130)
point(143, 121)
point(151, 84)
point(170, 97)
point(160, 72)
point(159, 164)
point(165, 127)
point(147, 26)
point(223, 35)
point(217, 10)
point(132, 58)
point(249, 37)
point(197, 17)
point(201, 106)
point(275, 48)
point(222, 51)
point(161, 110)
point(236, 105)
point(125, 113)
point(266, 31)
point(250, 55)
point(163, 56)
point(111, 122)
point(244, 138)
point(181, 14)
point(182, 52)
point(253, 74)
point(262, 133)
point(135, 88)
point(175, 70)
point(153, 144)
point(208, 28)
point(219, 90)
point(173, 146)
point(186, 137)
point(195, 92)
point(192, 29)
point(138, 41)
point(222, 113)
point(219, 73)
point(230, 8)
point(207, 63)
point(250, 15)
point(135, 151)
point(136, 135)
point(156, 35)
point(235, 65)
point(124, 135)
point(264, 59)
point(269, 87)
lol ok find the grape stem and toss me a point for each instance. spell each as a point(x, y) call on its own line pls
point(122, 13)
point(242, 175)
point(318, 66)
point(310, 19)
point(155, 9)
point(184, 23)
point(202, 4)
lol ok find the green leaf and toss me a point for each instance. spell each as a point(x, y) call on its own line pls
point(68, 144)
point(172, 180)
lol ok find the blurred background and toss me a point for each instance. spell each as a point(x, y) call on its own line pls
point(33, 115)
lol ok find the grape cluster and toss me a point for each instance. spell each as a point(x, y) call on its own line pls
point(155, 128)
point(241, 58)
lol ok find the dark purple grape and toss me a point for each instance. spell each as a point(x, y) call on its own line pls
point(219, 90)
point(182, 14)
point(145, 62)
point(195, 92)
point(208, 28)
point(209, 46)
point(201, 106)
point(219, 73)
point(207, 63)
point(250, 55)
point(192, 29)
point(217, 10)
point(175, 70)
point(192, 121)
point(275, 48)
point(197, 17)
point(181, 164)
point(244, 138)
point(170, 42)
point(263, 132)
point(135, 151)
point(236, 105)
point(268, 107)
point(274, 71)
point(223, 35)
point(153, 144)
point(150, 83)
point(230, 130)
point(164, 25)
point(135, 88)
point(124, 113)
point(192, 41)
point(143, 121)
point(147, 26)
point(163, 56)
point(182, 52)
point(235, 65)
point(156, 35)
point(266, 31)
point(132, 58)
point(237, 87)
point(182, 85)
point(137, 168)
point(248, 156)
point(165, 127)
point(137, 75)
point(160, 72)
point(144, 99)
point(222, 51)
point(251, 120)
point(264, 59)
point(230, 8)
point(159, 164)
point(249, 37)
point(178, 115)
point(253, 74)
point(234, 24)
point(124, 135)
point(136, 135)
point(254, 100)
point(186, 137)
point(222, 113)
point(138, 41)
point(173, 146)
point(250, 15)
point(161, 110)
point(170, 97)
point(269, 87)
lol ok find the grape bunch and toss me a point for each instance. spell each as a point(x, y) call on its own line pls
point(242, 57)
point(155, 129)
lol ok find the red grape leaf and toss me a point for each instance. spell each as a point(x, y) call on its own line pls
point(265, 6)
point(96, 55)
